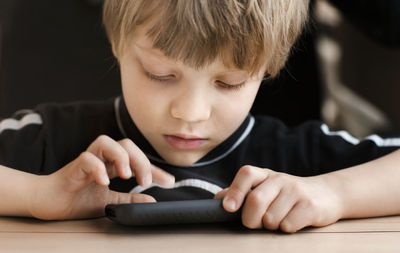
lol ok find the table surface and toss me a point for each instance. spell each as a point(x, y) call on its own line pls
point(102, 235)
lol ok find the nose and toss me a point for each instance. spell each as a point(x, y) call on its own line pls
point(191, 106)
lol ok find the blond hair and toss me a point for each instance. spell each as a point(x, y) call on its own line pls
point(249, 34)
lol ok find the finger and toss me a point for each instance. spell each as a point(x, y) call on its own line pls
point(162, 177)
point(246, 178)
point(108, 150)
point(111, 171)
point(159, 176)
point(257, 202)
point(278, 209)
point(221, 194)
point(297, 218)
point(83, 170)
point(127, 198)
point(138, 161)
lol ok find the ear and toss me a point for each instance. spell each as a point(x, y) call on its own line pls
point(114, 51)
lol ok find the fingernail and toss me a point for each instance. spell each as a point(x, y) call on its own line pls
point(230, 203)
point(127, 172)
point(171, 182)
point(106, 180)
point(147, 180)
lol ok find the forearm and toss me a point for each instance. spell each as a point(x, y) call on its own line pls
point(370, 189)
point(16, 189)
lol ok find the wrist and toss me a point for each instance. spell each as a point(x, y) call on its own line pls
point(338, 193)
point(41, 199)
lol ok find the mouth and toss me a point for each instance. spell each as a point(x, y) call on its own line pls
point(184, 142)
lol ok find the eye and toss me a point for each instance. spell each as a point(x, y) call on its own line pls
point(231, 86)
point(158, 78)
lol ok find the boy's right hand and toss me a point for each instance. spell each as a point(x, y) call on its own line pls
point(80, 189)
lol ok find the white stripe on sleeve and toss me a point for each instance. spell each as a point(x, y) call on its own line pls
point(13, 124)
point(379, 141)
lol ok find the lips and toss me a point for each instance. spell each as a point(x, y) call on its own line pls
point(184, 142)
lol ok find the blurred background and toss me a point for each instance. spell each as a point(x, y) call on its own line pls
point(358, 45)
point(344, 69)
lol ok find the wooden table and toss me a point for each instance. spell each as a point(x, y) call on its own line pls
point(101, 235)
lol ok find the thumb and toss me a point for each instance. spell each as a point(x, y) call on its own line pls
point(128, 198)
point(221, 194)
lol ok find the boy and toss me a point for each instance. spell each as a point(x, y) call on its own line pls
point(190, 71)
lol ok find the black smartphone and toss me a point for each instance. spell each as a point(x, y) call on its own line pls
point(171, 212)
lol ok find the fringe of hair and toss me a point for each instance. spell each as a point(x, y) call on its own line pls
point(247, 34)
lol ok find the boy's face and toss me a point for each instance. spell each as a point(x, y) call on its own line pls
point(183, 112)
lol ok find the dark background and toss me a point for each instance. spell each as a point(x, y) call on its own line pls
point(53, 51)
point(57, 51)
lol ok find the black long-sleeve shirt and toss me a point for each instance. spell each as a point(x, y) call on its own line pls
point(43, 140)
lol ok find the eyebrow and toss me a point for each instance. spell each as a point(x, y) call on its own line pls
point(153, 52)
point(165, 60)
point(146, 70)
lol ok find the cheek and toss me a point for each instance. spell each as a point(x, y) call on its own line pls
point(231, 114)
point(239, 104)
point(232, 121)
point(234, 110)
point(140, 103)
point(138, 99)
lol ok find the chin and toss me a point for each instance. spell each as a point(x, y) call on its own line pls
point(182, 160)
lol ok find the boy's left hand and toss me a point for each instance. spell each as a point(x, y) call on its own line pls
point(281, 201)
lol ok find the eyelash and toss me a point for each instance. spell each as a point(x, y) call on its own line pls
point(220, 83)
point(231, 86)
point(156, 78)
